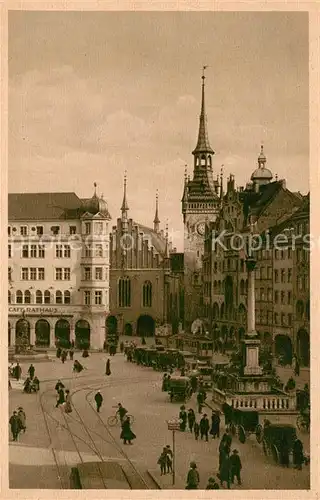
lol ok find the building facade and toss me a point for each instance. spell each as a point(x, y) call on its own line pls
point(261, 206)
point(58, 275)
point(145, 288)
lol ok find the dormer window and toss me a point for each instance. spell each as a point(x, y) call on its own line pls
point(55, 230)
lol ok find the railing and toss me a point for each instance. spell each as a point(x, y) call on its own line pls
point(263, 402)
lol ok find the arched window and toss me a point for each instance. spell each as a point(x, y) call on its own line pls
point(203, 160)
point(147, 294)
point(215, 287)
point(300, 310)
point(242, 287)
point(38, 297)
point(27, 297)
point(19, 297)
point(124, 292)
point(9, 297)
point(67, 297)
point(47, 297)
point(58, 297)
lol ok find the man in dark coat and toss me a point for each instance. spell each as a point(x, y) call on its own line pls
point(98, 399)
point(200, 400)
point(126, 433)
point(169, 458)
point(31, 371)
point(36, 383)
point(61, 398)
point(196, 429)
point(212, 484)
point(122, 412)
point(17, 371)
point(63, 356)
point(298, 456)
point(204, 427)
point(15, 425)
point(121, 347)
point(59, 385)
point(225, 467)
point(215, 425)
point(23, 419)
point(193, 477)
point(191, 419)
point(183, 418)
point(194, 383)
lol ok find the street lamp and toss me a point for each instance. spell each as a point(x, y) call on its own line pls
point(174, 425)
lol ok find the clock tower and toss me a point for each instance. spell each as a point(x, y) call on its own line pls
point(200, 201)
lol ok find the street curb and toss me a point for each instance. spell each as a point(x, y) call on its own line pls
point(150, 474)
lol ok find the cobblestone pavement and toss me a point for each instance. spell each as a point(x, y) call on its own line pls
point(139, 390)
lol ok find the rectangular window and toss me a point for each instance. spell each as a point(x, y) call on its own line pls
point(24, 230)
point(9, 230)
point(41, 252)
point(283, 275)
point(289, 253)
point(88, 252)
point(58, 273)
point(73, 229)
point(25, 251)
point(87, 297)
point(55, 230)
point(262, 275)
point(269, 317)
point(66, 274)
point(276, 276)
point(270, 294)
point(276, 254)
point(9, 252)
point(98, 275)
point(33, 273)
point(289, 297)
point(41, 273)
point(99, 228)
point(39, 230)
point(98, 298)
point(283, 319)
point(289, 275)
point(87, 227)
point(282, 297)
point(269, 273)
point(87, 273)
point(58, 251)
point(25, 274)
point(9, 273)
point(289, 319)
point(276, 318)
point(276, 297)
point(98, 251)
point(67, 252)
point(33, 251)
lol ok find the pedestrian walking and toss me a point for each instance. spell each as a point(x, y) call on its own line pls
point(162, 461)
point(204, 427)
point(200, 401)
point(108, 369)
point(126, 433)
point(63, 356)
point(215, 425)
point(71, 354)
point(27, 385)
point(298, 455)
point(194, 383)
point(61, 397)
point(59, 385)
point(235, 466)
point(183, 418)
point(36, 383)
point(23, 419)
point(122, 412)
point(191, 419)
point(224, 447)
point(212, 484)
point(59, 351)
point(193, 477)
point(225, 468)
point(196, 429)
point(67, 403)
point(77, 367)
point(17, 371)
point(169, 458)
point(98, 399)
point(15, 425)
point(164, 382)
point(31, 371)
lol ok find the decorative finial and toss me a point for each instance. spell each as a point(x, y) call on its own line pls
point(203, 76)
point(95, 188)
point(221, 171)
point(276, 177)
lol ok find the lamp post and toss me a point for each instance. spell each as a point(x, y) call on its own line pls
point(174, 425)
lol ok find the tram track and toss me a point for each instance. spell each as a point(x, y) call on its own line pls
point(68, 418)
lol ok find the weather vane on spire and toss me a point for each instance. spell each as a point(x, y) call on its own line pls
point(95, 187)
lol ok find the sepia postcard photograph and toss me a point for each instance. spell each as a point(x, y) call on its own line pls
point(158, 247)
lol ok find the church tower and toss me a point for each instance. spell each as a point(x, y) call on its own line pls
point(200, 201)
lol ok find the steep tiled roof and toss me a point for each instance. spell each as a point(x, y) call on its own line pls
point(43, 206)
point(157, 241)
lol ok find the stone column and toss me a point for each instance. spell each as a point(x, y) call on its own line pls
point(252, 342)
point(32, 334)
point(251, 263)
point(52, 332)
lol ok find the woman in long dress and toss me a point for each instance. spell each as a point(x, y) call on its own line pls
point(126, 433)
point(108, 370)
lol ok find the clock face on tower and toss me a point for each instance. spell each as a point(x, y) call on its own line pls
point(201, 228)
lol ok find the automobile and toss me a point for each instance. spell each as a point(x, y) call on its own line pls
point(272, 437)
point(180, 389)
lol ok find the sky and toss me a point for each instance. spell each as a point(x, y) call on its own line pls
point(95, 94)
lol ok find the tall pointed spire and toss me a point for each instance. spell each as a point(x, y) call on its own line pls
point(156, 222)
point(166, 251)
point(124, 206)
point(203, 145)
point(221, 183)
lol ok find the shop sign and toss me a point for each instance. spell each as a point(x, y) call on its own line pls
point(35, 310)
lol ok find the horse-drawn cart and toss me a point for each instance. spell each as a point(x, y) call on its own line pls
point(242, 422)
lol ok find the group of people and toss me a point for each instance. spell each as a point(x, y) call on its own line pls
point(203, 428)
point(165, 460)
point(32, 383)
point(193, 479)
point(63, 397)
point(17, 423)
point(63, 353)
